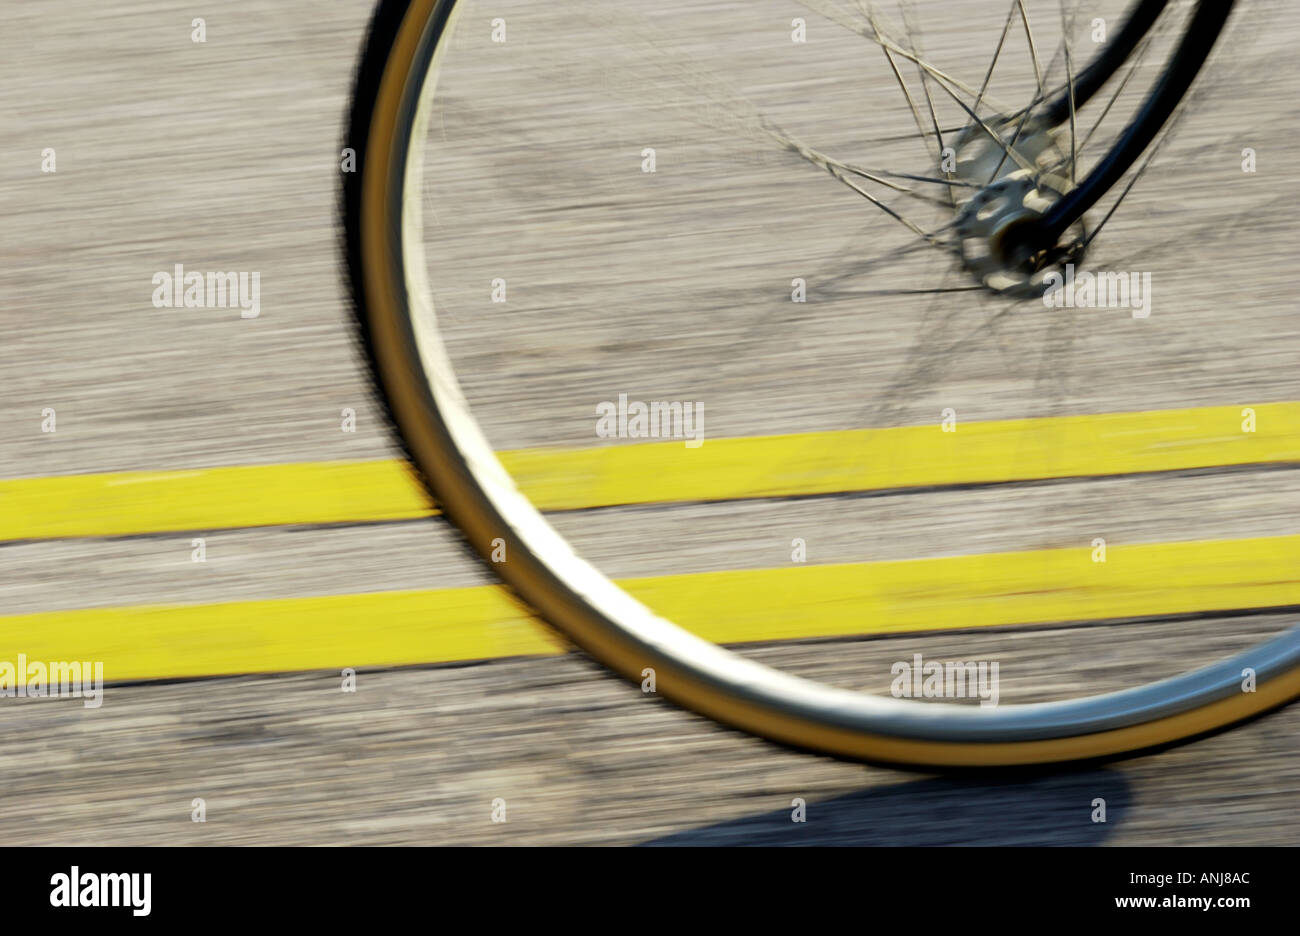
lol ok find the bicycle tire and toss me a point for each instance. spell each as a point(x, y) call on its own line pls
point(397, 328)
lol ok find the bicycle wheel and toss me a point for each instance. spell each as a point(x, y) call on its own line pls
point(1005, 184)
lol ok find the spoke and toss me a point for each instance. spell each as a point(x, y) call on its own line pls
point(840, 171)
point(1024, 119)
point(907, 175)
point(932, 291)
point(1069, 78)
point(837, 15)
point(914, 42)
point(900, 137)
point(988, 75)
point(737, 112)
point(865, 174)
point(869, 11)
point(1134, 63)
point(942, 80)
point(1008, 151)
point(1128, 188)
point(1146, 163)
point(836, 166)
point(928, 238)
point(1132, 70)
point(1051, 66)
point(1033, 47)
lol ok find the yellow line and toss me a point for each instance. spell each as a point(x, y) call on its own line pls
point(402, 628)
point(720, 469)
point(911, 456)
point(128, 503)
point(639, 473)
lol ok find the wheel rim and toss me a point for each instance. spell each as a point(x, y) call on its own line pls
point(467, 478)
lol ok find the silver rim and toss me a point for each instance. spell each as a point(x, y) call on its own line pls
point(661, 642)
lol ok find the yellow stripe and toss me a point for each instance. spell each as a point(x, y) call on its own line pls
point(721, 469)
point(127, 503)
point(482, 622)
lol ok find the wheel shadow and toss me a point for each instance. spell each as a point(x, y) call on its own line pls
point(1044, 810)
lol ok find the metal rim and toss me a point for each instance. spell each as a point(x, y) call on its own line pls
point(465, 476)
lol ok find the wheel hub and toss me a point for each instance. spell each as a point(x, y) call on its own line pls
point(994, 227)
